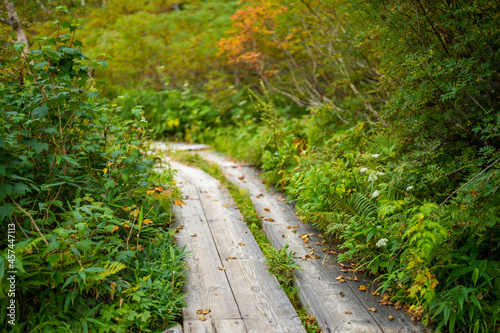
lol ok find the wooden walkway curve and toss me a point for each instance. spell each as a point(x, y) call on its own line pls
point(240, 293)
point(227, 280)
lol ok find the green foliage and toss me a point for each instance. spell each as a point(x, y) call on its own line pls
point(81, 194)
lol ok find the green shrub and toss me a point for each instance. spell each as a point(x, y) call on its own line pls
point(85, 204)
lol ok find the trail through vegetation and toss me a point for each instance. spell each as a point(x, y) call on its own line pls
point(379, 118)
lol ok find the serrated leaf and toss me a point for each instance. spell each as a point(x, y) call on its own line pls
point(40, 111)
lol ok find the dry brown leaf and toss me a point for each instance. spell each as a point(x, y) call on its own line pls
point(267, 210)
point(271, 219)
point(348, 312)
point(355, 278)
point(295, 226)
point(194, 235)
point(340, 277)
point(202, 318)
point(307, 246)
point(344, 270)
point(180, 227)
point(244, 231)
point(372, 309)
point(294, 230)
point(231, 258)
point(199, 311)
point(206, 311)
point(289, 227)
point(362, 288)
point(342, 294)
point(321, 236)
point(222, 268)
point(241, 244)
point(284, 236)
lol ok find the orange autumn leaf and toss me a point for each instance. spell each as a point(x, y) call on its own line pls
point(178, 202)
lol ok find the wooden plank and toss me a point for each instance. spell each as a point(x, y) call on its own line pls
point(159, 146)
point(215, 326)
point(206, 286)
point(262, 302)
point(318, 288)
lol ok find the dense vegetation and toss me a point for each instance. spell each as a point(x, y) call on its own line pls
point(86, 216)
point(379, 117)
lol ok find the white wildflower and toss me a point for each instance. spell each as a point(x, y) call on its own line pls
point(363, 170)
point(409, 188)
point(375, 155)
point(375, 194)
point(380, 173)
point(372, 177)
point(382, 242)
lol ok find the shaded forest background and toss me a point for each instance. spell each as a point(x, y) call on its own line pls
point(380, 118)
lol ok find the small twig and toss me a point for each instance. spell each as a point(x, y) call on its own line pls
point(32, 220)
point(458, 189)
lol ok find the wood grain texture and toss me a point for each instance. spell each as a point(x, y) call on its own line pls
point(240, 293)
point(319, 290)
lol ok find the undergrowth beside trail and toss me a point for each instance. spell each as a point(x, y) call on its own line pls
point(85, 243)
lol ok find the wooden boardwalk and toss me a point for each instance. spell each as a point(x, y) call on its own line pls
point(338, 307)
point(229, 288)
point(227, 274)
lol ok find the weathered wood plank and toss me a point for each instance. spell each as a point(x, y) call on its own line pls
point(215, 326)
point(318, 288)
point(210, 214)
point(207, 286)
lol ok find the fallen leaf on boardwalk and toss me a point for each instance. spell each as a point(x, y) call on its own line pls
point(391, 318)
point(321, 236)
point(316, 257)
point(178, 202)
point(355, 278)
point(242, 177)
point(344, 265)
point(180, 227)
point(294, 230)
point(244, 231)
point(372, 309)
point(267, 210)
point(342, 294)
point(295, 226)
point(344, 270)
point(374, 293)
point(347, 312)
point(202, 318)
point(283, 209)
point(231, 257)
point(321, 243)
point(206, 311)
point(241, 244)
point(362, 288)
point(340, 277)
point(284, 236)
point(385, 302)
point(199, 311)
point(194, 235)
point(289, 227)
point(222, 269)
point(224, 205)
point(271, 220)
point(307, 246)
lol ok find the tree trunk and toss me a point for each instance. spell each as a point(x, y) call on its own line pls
point(16, 24)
